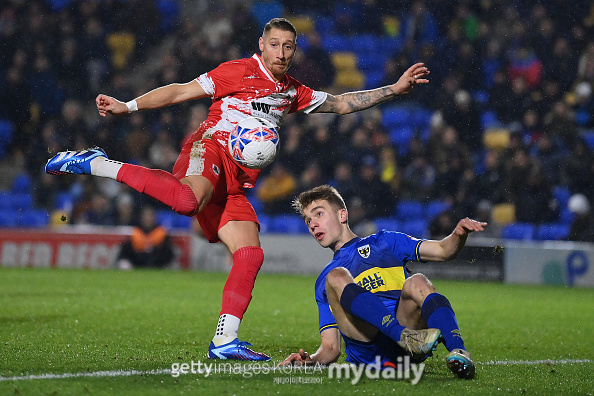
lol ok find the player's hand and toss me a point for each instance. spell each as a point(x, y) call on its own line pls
point(467, 225)
point(297, 359)
point(413, 76)
point(107, 104)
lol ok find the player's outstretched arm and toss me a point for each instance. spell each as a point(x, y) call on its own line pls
point(356, 101)
point(157, 98)
point(449, 247)
point(328, 352)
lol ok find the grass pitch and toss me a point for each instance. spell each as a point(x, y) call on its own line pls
point(73, 332)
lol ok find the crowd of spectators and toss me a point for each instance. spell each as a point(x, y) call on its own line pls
point(528, 64)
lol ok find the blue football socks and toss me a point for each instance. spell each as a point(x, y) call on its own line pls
point(366, 306)
point(438, 313)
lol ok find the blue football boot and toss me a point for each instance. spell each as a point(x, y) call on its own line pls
point(73, 162)
point(235, 350)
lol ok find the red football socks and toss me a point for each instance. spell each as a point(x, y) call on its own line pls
point(237, 292)
point(160, 185)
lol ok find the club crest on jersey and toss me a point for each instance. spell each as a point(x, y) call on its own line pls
point(364, 251)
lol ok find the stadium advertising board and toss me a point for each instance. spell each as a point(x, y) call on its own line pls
point(74, 248)
point(553, 263)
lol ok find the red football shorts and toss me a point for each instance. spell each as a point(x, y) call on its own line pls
point(206, 157)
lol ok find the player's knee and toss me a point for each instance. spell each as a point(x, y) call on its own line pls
point(338, 278)
point(418, 285)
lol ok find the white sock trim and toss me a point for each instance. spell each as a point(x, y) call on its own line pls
point(104, 167)
point(228, 327)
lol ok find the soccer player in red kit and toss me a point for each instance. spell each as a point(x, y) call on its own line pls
point(206, 182)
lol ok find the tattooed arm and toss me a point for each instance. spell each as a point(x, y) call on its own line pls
point(356, 101)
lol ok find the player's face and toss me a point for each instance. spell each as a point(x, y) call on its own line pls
point(278, 47)
point(326, 224)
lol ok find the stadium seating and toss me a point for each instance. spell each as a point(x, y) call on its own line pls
point(288, 224)
point(496, 138)
point(21, 184)
point(415, 228)
point(387, 223)
point(504, 213)
point(519, 231)
point(407, 210)
point(552, 231)
point(32, 218)
point(435, 208)
point(562, 195)
point(6, 133)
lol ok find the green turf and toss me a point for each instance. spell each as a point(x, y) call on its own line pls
point(78, 321)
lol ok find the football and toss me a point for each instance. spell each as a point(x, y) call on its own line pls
point(254, 143)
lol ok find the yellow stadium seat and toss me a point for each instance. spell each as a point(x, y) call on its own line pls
point(344, 61)
point(302, 23)
point(353, 79)
point(496, 138)
point(504, 213)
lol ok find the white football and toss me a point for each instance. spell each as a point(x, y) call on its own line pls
point(254, 143)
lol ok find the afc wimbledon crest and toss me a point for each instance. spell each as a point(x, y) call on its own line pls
point(364, 251)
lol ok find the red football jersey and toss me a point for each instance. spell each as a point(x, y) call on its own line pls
point(244, 88)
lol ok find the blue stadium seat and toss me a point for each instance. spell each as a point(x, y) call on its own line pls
point(520, 231)
point(22, 201)
point(435, 208)
point(324, 25)
point(64, 201)
point(166, 218)
point(589, 139)
point(366, 43)
point(337, 42)
point(169, 11)
point(421, 118)
point(32, 218)
point(371, 61)
point(288, 224)
point(21, 184)
point(415, 228)
point(562, 195)
point(489, 120)
point(7, 218)
point(6, 133)
point(397, 116)
point(407, 210)
point(373, 79)
point(390, 45)
point(552, 232)
point(566, 216)
point(387, 223)
point(183, 222)
point(400, 138)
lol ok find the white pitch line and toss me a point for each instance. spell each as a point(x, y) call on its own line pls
point(95, 374)
point(533, 362)
point(129, 373)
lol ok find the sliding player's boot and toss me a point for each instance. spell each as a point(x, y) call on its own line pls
point(420, 343)
point(460, 364)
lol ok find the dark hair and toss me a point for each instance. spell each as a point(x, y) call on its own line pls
point(281, 24)
point(320, 193)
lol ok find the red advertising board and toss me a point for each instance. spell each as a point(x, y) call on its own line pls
point(87, 247)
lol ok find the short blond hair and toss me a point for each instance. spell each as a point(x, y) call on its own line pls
point(320, 193)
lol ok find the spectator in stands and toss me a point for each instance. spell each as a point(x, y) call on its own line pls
point(534, 199)
point(149, 246)
point(277, 189)
point(582, 227)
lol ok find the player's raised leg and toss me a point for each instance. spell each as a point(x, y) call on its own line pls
point(242, 239)
point(360, 313)
point(186, 197)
